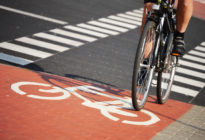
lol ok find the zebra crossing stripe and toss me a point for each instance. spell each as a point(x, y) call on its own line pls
point(123, 19)
point(185, 80)
point(59, 39)
point(108, 26)
point(203, 44)
point(194, 58)
point(138, 20)
point(73, 35)
point(179, 89)
point(15, 59)
point(134, 14)
point(191, 73)
point(42, 44)
point(185, 91)
point(138, 11)
point(189, 81)
point(122, 24)
point(192, 65)
point(198, 48)
point(86, 31)
point(197, 53)
point(130, 17)
point(24, 50)
point(102, 30)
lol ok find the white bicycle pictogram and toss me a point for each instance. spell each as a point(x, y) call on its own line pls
point(118, 105)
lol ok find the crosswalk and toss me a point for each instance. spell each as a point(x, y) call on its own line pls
point(69, 36)
point(190, 76)
point(191, 73)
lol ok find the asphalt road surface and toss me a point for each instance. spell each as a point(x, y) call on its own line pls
point(93, 41)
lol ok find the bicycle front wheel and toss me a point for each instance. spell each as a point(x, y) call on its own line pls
point(142, 71)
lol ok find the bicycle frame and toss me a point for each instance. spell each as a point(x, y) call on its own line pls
point(163, 17)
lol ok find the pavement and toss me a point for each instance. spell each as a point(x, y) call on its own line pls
point(37, 105)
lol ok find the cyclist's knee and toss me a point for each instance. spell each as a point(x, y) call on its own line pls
point(186, 3)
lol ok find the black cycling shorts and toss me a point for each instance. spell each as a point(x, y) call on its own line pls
point(153, 1)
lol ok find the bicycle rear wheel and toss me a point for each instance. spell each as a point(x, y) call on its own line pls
point(143, 72)
point(165, 80)
point(166, 77)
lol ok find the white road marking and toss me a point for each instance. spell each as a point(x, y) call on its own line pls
point(33, 15)
point(138, 11)
point(98, 29)
point(179, 89)
point(73, 35)
point(203, 44)
point(185, 91)
point(24, 50)
point(86, 31)
point(196, 53)
point(138, 20)
point(59, 39)
point(122, 24)
point(194, 58)
point(134, 14)
point(15, 59)
point(108, 26)
point(123, 19)
point(191, 72)
point(192, 65)
point(199, 48)
point(185, 80)
point(189, 81)
point(42, 44)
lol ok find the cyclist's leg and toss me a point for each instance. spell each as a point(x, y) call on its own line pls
point(184, 13)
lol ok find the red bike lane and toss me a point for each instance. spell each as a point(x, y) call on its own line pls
point(199, 10)
point(42, 106)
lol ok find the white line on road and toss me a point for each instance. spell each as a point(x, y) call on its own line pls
point(59, 39)
point(86, 31)
point(119, 23)
point(15, 59)
point(203, 44)
point(73, 35)
point(42, 44)
point(179, 89)
point(98, 29)
point(138, 11)
point(138, 20)
point(199, 48)
point(197, 53)
point(192, 65)
point(194, 58)
point(122, 19)
point(134, 14)
point(33, 15)
point(24, 50)
point(108, 26)
point(191, 72)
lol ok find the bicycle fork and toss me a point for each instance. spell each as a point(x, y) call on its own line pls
point(158, 41)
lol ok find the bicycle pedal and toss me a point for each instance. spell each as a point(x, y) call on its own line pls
point(175, 54)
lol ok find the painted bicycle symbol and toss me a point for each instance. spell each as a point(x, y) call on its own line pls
point(109, 109)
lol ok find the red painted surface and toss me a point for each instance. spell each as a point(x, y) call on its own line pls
point(199, 10)
point(24, 118)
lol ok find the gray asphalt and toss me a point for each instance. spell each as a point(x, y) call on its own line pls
point(107, 61)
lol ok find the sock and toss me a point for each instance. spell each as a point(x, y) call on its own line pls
point(178, 34)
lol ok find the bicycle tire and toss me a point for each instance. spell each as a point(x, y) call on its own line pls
point(165, 78)
point(137, 103)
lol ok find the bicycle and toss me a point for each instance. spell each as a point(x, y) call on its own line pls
point(157, 41)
